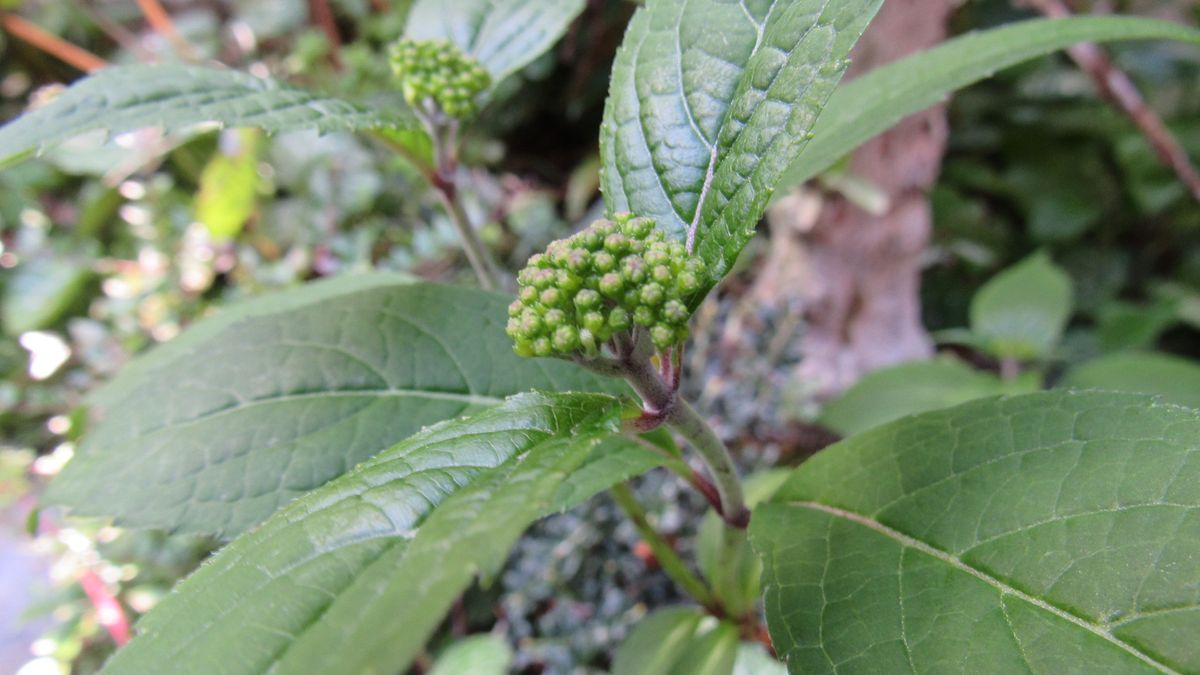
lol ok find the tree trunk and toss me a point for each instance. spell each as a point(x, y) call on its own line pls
point(854, 275)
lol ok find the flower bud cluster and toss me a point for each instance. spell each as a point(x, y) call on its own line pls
point(613, 277)
point(438, 70)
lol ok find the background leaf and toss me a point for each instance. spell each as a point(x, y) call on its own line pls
point(710, 101)
point(477, 655)
point(1052, 532)
point(223, 427)
point(41, 291)
point(871, 104)
point(911, 388)
point(1021, 312)
point(657, 642)
point(1175, 379)
point(503, 35)
point(174, 97)
point(355, 575)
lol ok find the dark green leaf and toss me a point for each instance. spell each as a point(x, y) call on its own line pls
point(503, 35)
point(1055, 532)
point(710, 101)
point(174, 97)
point(1175, 379)
point(873, 103)
point(355, 575)
point(217, 429)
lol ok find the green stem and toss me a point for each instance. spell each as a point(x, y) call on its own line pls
point(444, 134)
point(667, 558)
point(682, 417)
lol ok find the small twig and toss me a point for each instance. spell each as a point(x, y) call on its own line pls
point(322, 14)
point(115, 31)
point(1115, 85)
point(162, 24)
point(109, 612)
point(668, 559)
point(444, 134)
point(64, 51)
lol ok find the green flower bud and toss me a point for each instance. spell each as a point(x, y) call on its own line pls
point(542, 347)
point(634, 269)
point(618, 319)
point(616, 243)
point(687, 283)
point(652, 294)
point(603, 262)
point(643, 316)
point(552, 297)
point(523, 347)
point(567, 282)
point(587, 299)
point(565, 339)
point(611, 284)
point(593, 321)
point(675, 312)
point(554, 318)
point(661, 274)
point(662, 336)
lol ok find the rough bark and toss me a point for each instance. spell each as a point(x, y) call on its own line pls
point(856, 275)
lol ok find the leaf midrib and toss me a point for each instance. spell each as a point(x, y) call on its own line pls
point(470, 399)
point(1003, 588)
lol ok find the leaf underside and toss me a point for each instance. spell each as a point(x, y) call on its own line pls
point(1053, 532)
point(709, 103)
point(873, 103)
point(503, 35)
point(219, 430)
point(354, 576)
point(173, 97)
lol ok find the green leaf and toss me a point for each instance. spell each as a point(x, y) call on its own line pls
point(710, 101)
point(873, 103)
point(355, 575)
point(1051, 533)
point(753, 659)
point(678, 641)
point(229, 185)
point(174, 97)
point(657, 642)
point(217, 429)
point(1175, 379)
point(712, 651)
point(615, 460)
point(911, 388)
point(1021, 312)
point(41, 291)
point(503, 35)
point(476, 655)
point(734, 573)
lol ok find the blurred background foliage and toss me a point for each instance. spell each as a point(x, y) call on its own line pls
point(1064, 252)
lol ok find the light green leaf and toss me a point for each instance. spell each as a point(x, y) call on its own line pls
point(1055, 532)
point(1175, 379)
point(657, 642)
point(174, 97)
point(710, 101)
point(734, 572)
point(503, 35)
point(476, 655)
point(753, 659)
point(911, 388)
point(712, 651)
point(355, 575)
point(40, 291)
point(871, 104)
point(1021, 312)
point(615, 460)
point(229, 185)
point(217, 429)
